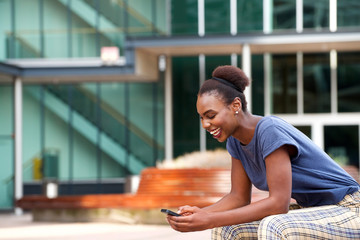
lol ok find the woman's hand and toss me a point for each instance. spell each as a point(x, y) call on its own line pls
point(192, 219)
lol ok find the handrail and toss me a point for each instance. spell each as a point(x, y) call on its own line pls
point(122, 119)
point(138, 138)
point(25, 166)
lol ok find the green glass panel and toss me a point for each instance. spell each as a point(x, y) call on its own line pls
point(32, 129)
point(284, 14)
point(6, 147)
point(348, 81)
point(345, 152)
point(27, 41)
point(316, 83)
point(284, 83)
point(184, 17)
point(186, 121)
point(143, 122)
point(6, 34)
point(56, 32)
point(316, 14)
point(257, 84)
point(217, 17)
point(249, 15)
point(348, 13)
point(113, 123)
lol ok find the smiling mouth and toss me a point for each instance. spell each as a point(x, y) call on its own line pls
point(216, 132)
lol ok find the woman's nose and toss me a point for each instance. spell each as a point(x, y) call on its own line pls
point(205, 124)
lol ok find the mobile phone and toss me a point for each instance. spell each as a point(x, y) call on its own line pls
point(167, 211)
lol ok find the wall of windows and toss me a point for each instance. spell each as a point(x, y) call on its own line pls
point(75, 28)
point(86, 132)
point(284, 68)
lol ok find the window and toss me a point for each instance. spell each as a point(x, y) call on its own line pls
point(284, 14)
point(348, 13)
point(316, 83)
point(186, 123)
point(342, 144)
point(316, 14)
point(249, 15)
point(348, 82)
point(217, 16)
point(284, 83)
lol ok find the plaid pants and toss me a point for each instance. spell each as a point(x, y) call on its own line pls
point(340, 221)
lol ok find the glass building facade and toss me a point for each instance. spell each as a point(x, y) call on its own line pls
point(91, 131)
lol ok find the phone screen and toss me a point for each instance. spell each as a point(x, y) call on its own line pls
point(167, 211)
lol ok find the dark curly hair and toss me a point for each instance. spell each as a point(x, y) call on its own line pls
point(232, 74)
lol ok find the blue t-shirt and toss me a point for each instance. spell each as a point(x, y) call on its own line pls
point(316, 179)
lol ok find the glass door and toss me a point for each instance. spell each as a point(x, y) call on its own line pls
point(6, 147)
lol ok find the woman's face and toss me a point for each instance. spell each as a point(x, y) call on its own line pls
point(216, 117)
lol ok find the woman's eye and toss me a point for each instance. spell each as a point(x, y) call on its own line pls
point(211, 116)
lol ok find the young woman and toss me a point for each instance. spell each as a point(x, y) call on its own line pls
point(274, 156)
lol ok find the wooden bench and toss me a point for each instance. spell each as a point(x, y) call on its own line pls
point(158, 188)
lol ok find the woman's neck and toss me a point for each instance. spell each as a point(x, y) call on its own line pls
point(246, 129)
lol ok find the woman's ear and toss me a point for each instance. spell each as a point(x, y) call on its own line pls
point(236, 105)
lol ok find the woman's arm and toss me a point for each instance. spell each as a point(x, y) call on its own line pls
point(278, 173)
point(240, 194)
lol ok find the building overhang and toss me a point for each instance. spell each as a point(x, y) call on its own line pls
point(141, 58)
point(284, 42)
point(138, 67)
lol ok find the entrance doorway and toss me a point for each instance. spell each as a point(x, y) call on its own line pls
point(6, 147)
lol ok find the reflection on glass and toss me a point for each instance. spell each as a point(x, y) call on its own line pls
point(217, 17)
point(67, 29)
point(184, 17)
point(348, 13)
point(345, 152)
point(284, 87)
point(348, 82)
point(7, 147)
point(185, 117)
point(316, 83)
point(257, 84)
point(97, 131)
point(249, 15)
point(27, 41)
point(284, 14)
point(316, 14)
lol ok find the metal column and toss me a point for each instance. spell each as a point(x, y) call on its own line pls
point(18, 183)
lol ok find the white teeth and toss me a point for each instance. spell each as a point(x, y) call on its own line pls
point(215, 131)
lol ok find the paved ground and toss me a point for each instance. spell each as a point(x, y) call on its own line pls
point(23, 228)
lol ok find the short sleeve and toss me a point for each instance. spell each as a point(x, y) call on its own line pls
point(273, 137)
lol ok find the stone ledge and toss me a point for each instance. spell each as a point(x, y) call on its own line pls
point(127, 216)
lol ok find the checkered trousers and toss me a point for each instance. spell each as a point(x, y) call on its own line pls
point(332, 222)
